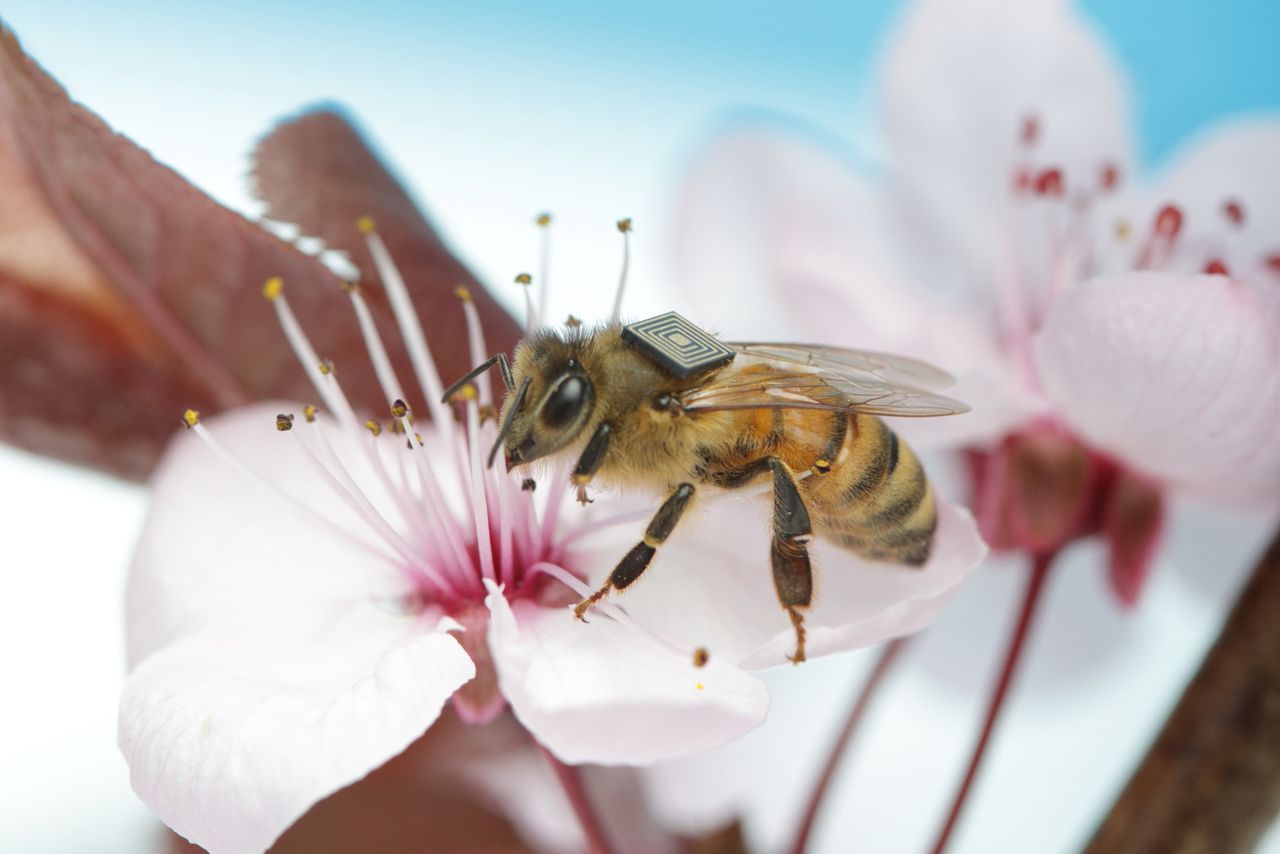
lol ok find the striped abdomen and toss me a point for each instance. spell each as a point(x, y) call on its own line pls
point(876, 499)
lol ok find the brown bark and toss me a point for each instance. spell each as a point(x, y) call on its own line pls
point(1211, 781)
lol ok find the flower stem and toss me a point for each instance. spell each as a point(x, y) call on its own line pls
point(1030, 599)
point(571, 781)
point(842, 742)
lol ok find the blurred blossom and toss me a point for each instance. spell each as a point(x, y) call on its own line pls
point(1115, 333)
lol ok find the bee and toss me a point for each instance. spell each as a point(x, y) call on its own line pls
point(663, 406)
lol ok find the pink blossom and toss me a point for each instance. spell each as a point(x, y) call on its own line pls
point(1116, 335)
point(313, 586)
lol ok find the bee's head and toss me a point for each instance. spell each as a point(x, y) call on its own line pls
point(552, 401)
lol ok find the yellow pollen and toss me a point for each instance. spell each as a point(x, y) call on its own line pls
point(272, 287)
point(191, 418)
point(524, 279)
point(821, 467)
point(399, 408)
point(374, 427)
point(468, 392)
point(544, 219)
point(462, 293)
point(284, 422)
point(624, 224)
point(365, 225)
point(326, 367)
point(701, 687)
point(309, 413)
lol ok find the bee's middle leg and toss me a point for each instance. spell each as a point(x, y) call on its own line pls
point(637, 560)
point(789, 551)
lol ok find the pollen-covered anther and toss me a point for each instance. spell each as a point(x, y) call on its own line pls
point(528, 485)
point(399, 408)
point(821, 467)
point(309, 413)
point(373, 427)
point(524, 279)
point(488, 412)
point(366, 225)
point(349, 287)
point(701, 657)
point(1216, 267)
point(624, 224)
point(1233, 210)
point(467, 392)
point(1169, 221)
point(1049, 183)
point(272, 288)
point(190, 418)
point(326, 366)
point(284, 422)
point(463, 293)
point(572, 322)
point(544, 219)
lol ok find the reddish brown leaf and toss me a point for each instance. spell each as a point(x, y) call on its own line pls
point(317, 173)
point(126, 295)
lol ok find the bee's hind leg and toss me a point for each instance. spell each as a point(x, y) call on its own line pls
point(637, 560)
point(789, 552)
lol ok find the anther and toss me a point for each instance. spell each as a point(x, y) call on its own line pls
point(462, 293)
point(399, 408)
point(488, 412)
point(326, 366)
point(1030, 131)
point(349, 287)
point(524, 279)
point(374, 427)
point(624, 224)
point(1169, 221)
point(1049, 183)
point(1110, 176)
point(572, 322)
point(544, 219)
point(284, 422)
point(1233, 210)
point(467, 392)
point(1216, 267)
point(366, 225)
point(701, 657)
point(309, 413)
point(190, 418)
point(821, 467)
point(1123, 229)
point(272, 287)
point(528, 485)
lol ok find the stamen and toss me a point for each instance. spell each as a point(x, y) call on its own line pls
point(190, 418)
point(701, 657)
point(387, 379)
point(1169, 221)
point(530, 316)
point(624, 226)
point(479, 506)
point(1049, 183)
point(544, 267)
point(475, 338)
point(407, 319)
point(284, 422)
point(316, 369)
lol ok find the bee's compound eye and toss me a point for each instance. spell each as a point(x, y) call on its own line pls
point(565, 401)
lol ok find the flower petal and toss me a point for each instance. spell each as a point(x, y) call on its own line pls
point(711, 586)
point(961, 80)
point(1174, 376)
point(608, 693)
point(216, 542)
point(233, 733)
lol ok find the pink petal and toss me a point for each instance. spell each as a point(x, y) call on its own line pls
point(216, 542)
point(711, 586)
point(1226, 183)
point(232, 733)
point(608, 693)
point(777, 239)
point(1133, 522)
point(962, 79)
point(1174, 376)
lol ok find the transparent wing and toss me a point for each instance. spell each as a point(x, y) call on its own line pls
point(792, 376)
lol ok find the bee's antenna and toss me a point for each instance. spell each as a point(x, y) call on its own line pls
point(512, 408)
point(624, 226)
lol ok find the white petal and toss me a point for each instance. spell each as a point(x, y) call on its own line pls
point(606, 693)
point(234, 732)
point(216, 542)
point(1174, 376)
point(711, 585)
point(960, 79)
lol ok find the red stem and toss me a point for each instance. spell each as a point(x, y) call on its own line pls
point(842, 742)
point(571, 781)
point(1030, 599)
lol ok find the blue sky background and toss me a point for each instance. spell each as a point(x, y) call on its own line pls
point(492, 112)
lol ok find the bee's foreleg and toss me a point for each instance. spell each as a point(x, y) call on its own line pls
point(637, 560)
point(789, 552)
point(591, 460)
point(499, 359)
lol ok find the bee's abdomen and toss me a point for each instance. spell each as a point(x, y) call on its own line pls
point(876, 499)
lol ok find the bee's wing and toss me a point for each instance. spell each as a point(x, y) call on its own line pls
point(792, 376)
